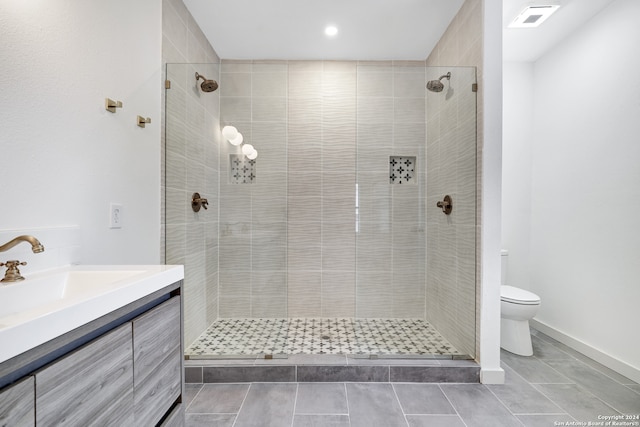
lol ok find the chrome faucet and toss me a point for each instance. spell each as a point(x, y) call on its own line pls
point(13, 274)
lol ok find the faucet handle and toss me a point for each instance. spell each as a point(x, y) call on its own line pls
point(446, 205)
point(197, 202)
point(13, 273)
point(13, 263)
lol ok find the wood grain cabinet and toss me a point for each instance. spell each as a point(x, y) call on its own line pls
point(157, 366)
point(17, 404)
point(91, 386)
point(130, 375)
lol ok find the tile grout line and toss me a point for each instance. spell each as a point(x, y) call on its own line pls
point(581, 386)
point(554, 402)
point(581, 362)
point(532, 384)
point(451, 403)
point(346, 397)
point(295, 404)
point(538, 390)
point(242, 404)
point(545, 338)
point(505, 405)
point(395, 393)
point(194, 398)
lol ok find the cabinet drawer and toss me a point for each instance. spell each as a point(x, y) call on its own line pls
point(157, 361)
point(156, 393)
point(91, 386)
point(176, 418)
point(17, 404)
point(155, 335)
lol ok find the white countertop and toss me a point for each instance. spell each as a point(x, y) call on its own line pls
point(51, 303)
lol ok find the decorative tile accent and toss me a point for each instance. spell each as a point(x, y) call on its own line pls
point(241, 170)
point(402, 170)
point(234, 337)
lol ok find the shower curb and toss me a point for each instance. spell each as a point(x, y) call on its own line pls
point(247, 370)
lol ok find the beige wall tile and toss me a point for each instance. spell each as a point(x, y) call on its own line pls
point(375, 83)
point(269, 84)
point(338, 294)
point(304, 292)
point(235, 84)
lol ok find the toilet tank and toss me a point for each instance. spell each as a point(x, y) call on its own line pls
point(504, 256)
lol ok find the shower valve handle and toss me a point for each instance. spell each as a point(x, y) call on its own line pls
point(446, 205)
point(197, 202)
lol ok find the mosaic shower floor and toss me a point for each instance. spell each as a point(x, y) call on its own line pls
point(251, 337)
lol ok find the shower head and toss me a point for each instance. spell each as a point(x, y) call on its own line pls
point(436, 85)
point(207, 85)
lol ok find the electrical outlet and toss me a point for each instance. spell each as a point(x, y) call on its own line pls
point(115, 215)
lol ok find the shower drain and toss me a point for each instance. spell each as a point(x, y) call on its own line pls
point(325, 337)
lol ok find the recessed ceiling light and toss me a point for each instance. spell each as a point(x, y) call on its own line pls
point(532, 16)
point(331, 30)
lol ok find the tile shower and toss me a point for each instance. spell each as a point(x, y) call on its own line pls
point(329, 227)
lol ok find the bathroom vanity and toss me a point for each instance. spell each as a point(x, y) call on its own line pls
point(121, 366)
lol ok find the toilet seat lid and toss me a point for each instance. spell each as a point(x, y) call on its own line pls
point(518, 296)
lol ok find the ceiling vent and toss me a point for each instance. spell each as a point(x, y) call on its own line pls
point(532, 16)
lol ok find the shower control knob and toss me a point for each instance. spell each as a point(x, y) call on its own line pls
point(197, 202)
point(446, 205)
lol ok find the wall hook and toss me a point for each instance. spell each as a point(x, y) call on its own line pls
point(142, 121)
point(111, 105)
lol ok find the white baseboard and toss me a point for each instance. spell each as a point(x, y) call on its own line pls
point(610, 362)
point(492, 376)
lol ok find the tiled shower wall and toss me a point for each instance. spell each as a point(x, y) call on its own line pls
point(391, 242)
point(191, 159)
point(454, 301)
point(451, 239)
point(292, 243)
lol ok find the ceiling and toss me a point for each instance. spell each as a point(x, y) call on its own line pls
point(294, 29)
point(529, 44)
point(368, 29)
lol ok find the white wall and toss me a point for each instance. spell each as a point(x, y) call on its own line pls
point(64, 157)
point(490, 193)
point(585, 187)
point(517, 137)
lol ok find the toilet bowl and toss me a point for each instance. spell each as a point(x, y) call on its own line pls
point(517, 306)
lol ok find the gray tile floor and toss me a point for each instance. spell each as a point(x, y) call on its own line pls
point(557, 386)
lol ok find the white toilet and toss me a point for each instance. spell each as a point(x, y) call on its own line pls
point(517, 306)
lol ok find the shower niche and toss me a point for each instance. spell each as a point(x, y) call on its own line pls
point(338, 247)
point(402, 170)
point(241, 169)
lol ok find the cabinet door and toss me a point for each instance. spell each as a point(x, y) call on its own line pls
point(176, 418)
point(17, 405)
point(157, 361)
point(91, 386)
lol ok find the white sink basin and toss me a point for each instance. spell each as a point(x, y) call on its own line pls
point(45, 288)
point(48, 304)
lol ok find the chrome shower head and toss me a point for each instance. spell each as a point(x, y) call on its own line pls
point(436, 85)
point(207, 85)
